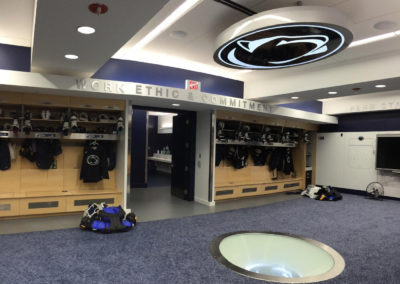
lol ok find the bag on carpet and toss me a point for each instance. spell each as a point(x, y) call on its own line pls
point(311, 191)
point(327, 193)
point(107, 219)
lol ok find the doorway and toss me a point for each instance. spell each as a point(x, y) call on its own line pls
point(163, 149)
point(159, 145)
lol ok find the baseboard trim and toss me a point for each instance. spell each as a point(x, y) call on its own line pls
point(204, 202)
point(361, 193)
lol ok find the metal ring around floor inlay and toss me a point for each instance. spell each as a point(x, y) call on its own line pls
point(233, 245)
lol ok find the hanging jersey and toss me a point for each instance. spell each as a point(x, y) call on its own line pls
point(288, 162)
point(5, 159)
point(45, 152)
point(94, 163)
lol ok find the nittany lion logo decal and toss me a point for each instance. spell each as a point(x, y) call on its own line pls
point(93, 160)
point(283, 46)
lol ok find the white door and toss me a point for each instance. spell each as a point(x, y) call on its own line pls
point(330, 159)
point(359, 168)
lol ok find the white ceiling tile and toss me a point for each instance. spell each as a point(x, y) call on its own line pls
point(361, 10)
point(16, 20)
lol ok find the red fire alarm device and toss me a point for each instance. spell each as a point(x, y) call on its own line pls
point(192, 85)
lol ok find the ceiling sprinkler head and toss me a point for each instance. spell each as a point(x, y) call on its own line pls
point(98, 9)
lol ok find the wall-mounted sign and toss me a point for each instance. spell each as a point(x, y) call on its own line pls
point(147, 94)
point(362, 103)
point(94, 136)
point(283, 37)
point(191, 96)
point(282, 46)
point(192, 85)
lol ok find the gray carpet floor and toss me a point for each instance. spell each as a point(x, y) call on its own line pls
point(365, 232)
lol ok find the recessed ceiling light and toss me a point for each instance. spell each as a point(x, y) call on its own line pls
point(294, 98)
point(176, 105)
point(380, 86)
point(86, 30)
point(178, 34)
point(385, 25)
point(71, 56)
point(332, 93)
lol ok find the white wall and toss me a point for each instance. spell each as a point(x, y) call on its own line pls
point(344, 161)
point(202, 182)
point(165, 124)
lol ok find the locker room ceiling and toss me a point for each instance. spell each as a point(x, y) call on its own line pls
point(50, 29)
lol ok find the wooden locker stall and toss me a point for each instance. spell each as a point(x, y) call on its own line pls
point(258, 180)
point(27, 190)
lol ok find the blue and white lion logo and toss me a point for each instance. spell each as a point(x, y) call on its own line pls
point(319, 41)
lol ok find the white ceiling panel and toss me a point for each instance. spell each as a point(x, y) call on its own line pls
point(365, 29)
point(361, 10)
point(363, 51)
point(16, 22)
point(55, 33)
point(268, 4)
point(127, 22)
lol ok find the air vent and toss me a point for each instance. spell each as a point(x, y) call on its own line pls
point(5, 207)
point(251, 189)
point(90, 201)
point(38, 205)
point(288, 185)
point(224, 192)
point(271, 187)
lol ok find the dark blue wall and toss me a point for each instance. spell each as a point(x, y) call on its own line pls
point(132, 71)
point(17, 58)
point(368, 121)
point(311, 106)
point(138, 149)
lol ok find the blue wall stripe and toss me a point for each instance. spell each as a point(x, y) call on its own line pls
point(368, 121)
point(138, 149)
point(17, 58)
point(311, 106)
point(146, 73)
